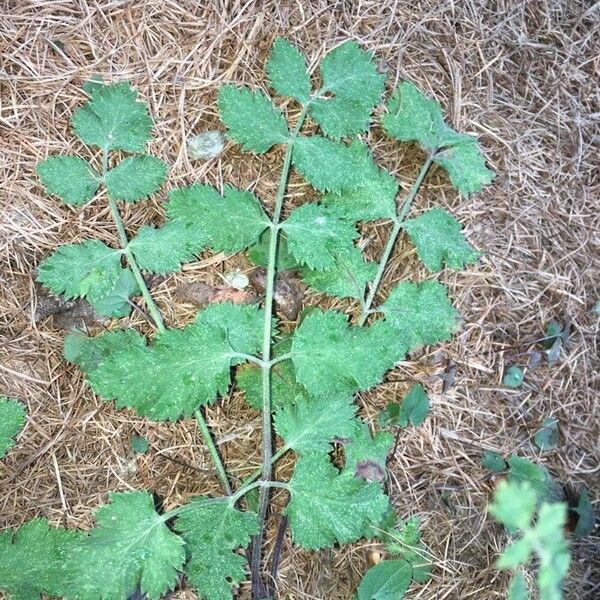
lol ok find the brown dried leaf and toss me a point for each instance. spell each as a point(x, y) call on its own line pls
point(289, 291)
point(200, 294)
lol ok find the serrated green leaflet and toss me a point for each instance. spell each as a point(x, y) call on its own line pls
point(327, 507)
point(113, 119)
point(316, 235)
point(439, 241)
point(117, 303)
point(88, 270)
point(229, 223)
point(184, 368)
point(366, 455)
point(12, 419)
point(130, 547)
point(310, 424)
point(514, 510)
point(347, 279)
point(33, 560)
point(251, 119)
point(332, 358)
point(70, 178)
point(328, 166)
point(493, 461)
point(350, 74)
point(135, 178)
point(163, 249)
point(287, 71)
point(420, 313)
point(405, 541)
point(213, 531)
point(387, 580)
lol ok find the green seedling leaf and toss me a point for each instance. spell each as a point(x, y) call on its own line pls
point(513, 377)
point(415, 407)
point(230, 223)
point(547, 437)
point(553, 331)
point(587, 519)
point(88, 270)
point(113, 119)
point(259, 253)
point(33, 560)
point(405, 542)
point(328, 507)
point(136, 177)
point(311, 424)
point(366, 455)
point(352, 86)
point(332, 358)
point(251, 119)
point(328, 166)
point(184, 368)
point(12, 420)
point(387, 580)
point(420, 313)
point(518, 587)
point(287, 71)
point(117, 303)
point(70, 178)
point(522, 470)
point(214, 531)
point(439, 241)
point(130, 547)
point(139, 444)
point(389, 416)
point(493, 461)
point(347, 279)
point(96, 81)
point(316, 235)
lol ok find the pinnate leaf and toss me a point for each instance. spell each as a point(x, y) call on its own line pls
point(387, 580)
point(136, 177)
point(88, 270)
point(327, 506)
point(12, 419)
point(213, 531)
point(331, 357)
point(70, 178)
point(252, 120)
point(229, 223)
point(439, 241)
point(315, 235)
point(287, 71)
point(420, 313)
point(113, 119)
point(130, 547)
point(184, 368)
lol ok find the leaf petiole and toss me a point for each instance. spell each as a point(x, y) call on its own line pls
point(214, 453)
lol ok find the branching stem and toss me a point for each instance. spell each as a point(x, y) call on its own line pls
point(391, 242)
point(214, 453)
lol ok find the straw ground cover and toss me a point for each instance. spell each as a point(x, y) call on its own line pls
point(520, 80)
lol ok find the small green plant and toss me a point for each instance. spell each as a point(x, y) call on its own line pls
point(302, 380)
point(12, 419)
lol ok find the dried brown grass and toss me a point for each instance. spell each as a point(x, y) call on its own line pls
point(520, 75)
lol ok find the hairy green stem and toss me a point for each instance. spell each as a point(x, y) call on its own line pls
point(214, 453)
point(116, 215)
point(391, 242)
point(267, 441)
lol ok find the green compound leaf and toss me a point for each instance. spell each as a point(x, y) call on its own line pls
point(439, 241)
point(213, 531)
point(329, 166)
point(327, 507)
point(287, 71)
point(311, 424)
point(351, 76)
point(33, 560)
point(518, 587)
point(387, 580)
point(412, 116)
point(12, 420)
point(493, 461)
point(366, 455)
point(252, 120)
point(259, 253)
point(88, 270)
point(415, 407)
point(315, 235)
point(163, 249)
point(229, 223)
point(332, 358)
point(587, 519)
point(113, 119)
point(347, 279)
point(117, 303)
point(130, 547)
point(420, 313)
point(135, 178)
point(405, 541)
point(547, 437)
point(184, 368)
point(70, 178)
